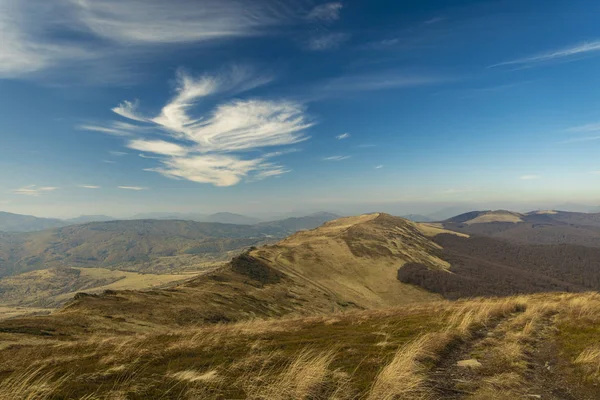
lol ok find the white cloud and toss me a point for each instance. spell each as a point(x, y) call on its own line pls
point(157, 147)
point(89, 187)
point(61, 34)
point(326, 12)
point(343, 136)
point(529, 177)
point(217, 169)
point(136, 188)
point(379, 167)
point(327, 41)
point(201, 148)
point(117, 153)
point(567, 52)
point(109, 161)
point(34, 190)
point(336, 158)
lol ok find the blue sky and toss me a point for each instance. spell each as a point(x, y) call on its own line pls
point(119, 107)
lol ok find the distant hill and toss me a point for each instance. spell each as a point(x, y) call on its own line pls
point(88, 218)
point(448, 212)
point(26, 223)
point(171, 215)
point(231, 218)
point(295, 224)
point(129, 245)
point(536, 227)
point(417, 218)
point(157, 246)
point(483, 266)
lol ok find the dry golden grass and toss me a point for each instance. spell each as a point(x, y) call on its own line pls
point(334, 357)
point(403, 377)
point(31, 384)
point(304, 377)
point(51, 288)
point(496, 216)
point(589, 360)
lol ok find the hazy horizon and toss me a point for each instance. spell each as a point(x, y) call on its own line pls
point(399, 209)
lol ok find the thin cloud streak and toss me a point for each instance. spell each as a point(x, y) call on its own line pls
point(585, 128)
point(581, 139)
point(567, 52)
point(34, 190)
point(343, 136)
point(336, 158)
point(529, 177)
point(135, 188)
point(382, 80)
point(89, 187)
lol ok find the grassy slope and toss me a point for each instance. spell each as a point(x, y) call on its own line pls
point(356, 258)
point(396, 353)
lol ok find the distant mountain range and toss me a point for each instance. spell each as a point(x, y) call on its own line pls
point(26, 223)
point(140, 245)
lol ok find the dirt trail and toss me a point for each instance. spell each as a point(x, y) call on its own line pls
point(541, 378)
point(447, 378)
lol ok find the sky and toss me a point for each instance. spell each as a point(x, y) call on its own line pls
point(120, 107)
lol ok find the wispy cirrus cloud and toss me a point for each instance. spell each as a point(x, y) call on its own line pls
point(67, 34)
point(326, 12)
point(117, 153)
point(581, 139)
point(221, 147)
point(34, 190)
point(327, 41)
point(563, 53)
point(89, 187)
point(135, 188)
point(585, 128)
point(379, 166)
point(336, 158)
point(434, 20)
point(529, 177)
point(343, 136)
